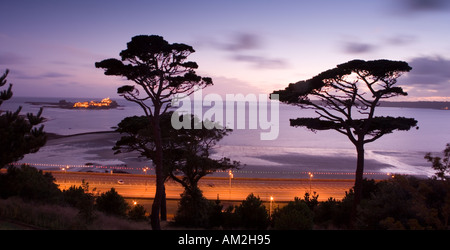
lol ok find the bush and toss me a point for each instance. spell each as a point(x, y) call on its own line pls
point(311, 200)
point(112, 203)
point(80, 198)
point(252, 213)
point(296, 215)
point(193, 210)
point(230, 218)
point(216, 216)
point(407, 202)
point(30, 184)
point(137, 213)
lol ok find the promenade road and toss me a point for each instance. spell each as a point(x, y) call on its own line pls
point(143, 186)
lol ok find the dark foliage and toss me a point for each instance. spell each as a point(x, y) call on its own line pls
point(30, 184)
point(252, 213)
point(18, 133)
point(137, 213)
point(441, 165)
point(296, 215)
point(194, 210)
point(112, 203)
point(186, 151)
point(403, 202)
point(80, 198)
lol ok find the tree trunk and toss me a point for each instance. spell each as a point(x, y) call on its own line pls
point(155, 221)
point(164, 206)
point(358, 178)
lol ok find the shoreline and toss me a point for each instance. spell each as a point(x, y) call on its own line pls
point(53, 136)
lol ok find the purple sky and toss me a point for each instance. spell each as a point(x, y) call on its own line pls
point(254, 46)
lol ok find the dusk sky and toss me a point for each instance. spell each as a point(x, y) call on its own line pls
point(249, 46)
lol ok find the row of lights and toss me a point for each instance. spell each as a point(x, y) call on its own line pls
point(65, 167)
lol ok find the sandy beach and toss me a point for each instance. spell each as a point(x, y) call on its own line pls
point(93, 152)
point(81, 152)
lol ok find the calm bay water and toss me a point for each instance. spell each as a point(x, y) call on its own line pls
point(400, 152)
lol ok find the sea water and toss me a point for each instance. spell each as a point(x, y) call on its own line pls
point(399, 152)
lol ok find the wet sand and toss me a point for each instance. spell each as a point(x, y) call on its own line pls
point(81, 151)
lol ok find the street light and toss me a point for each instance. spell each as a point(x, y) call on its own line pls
point(145, 173)
point(310, 177)
point(270, 207)
point(64, 169)
point(231, 177)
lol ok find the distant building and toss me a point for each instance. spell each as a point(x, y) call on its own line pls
point(104, 103)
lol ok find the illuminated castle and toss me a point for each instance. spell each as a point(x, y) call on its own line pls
point(105, 103)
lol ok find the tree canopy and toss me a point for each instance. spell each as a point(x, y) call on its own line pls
point(158, 68)
point(350, 90)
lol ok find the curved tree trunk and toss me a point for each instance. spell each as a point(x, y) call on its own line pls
point(358, 178)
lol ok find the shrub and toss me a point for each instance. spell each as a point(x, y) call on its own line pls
point(296, 215)
point(80, 198)
point(112, 203)
point(29, 183)
point(193, 210)
point(216, 216)
point(137, 213)
point(230, 218)
point(311, 200)
point(252, 213)
point(407, 202)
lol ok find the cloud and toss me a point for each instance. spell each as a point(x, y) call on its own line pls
point(424, 5)
point(429, 72)
point(357, 47)
point(261, 62)
point(352, 47)
point(18, 74)
point(429, 78)
point(9, 58)
point(242, 42)
point(401, 40)
point(53, 75)
point(409, 8)
point(248, 48)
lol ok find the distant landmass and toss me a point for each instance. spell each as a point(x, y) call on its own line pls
point(105, 103)
point(421, 104)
